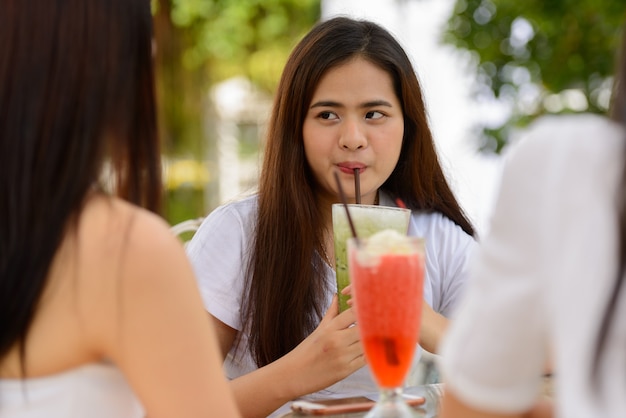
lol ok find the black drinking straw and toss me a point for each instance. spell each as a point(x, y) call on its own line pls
point(357, 186)
point(342, 195)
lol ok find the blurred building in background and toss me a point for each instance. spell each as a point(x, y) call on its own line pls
point(241, 114)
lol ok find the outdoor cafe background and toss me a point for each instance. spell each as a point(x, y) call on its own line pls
point(487, 68)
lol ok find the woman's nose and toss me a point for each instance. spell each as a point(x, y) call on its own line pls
point(352, 136)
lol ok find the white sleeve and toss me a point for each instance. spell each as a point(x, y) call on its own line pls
point(454, 252)
point(448, 250)
point(217, 253)
point(494, 353)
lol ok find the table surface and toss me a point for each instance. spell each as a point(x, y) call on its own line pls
point(419, 413)
point(428, 410)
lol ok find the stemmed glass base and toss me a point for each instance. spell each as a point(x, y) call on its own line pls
point(391, 404)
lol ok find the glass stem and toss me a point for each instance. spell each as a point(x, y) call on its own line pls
point(391, 395)
point(391, 404)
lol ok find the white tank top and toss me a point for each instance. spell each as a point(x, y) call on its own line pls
point(95, 390)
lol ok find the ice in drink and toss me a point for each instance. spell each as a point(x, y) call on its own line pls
point(387, 272)
point(367, 219)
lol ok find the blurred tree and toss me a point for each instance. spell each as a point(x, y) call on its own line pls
point(202, 42)
point(537, 56)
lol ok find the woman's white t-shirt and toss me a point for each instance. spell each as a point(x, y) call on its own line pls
point(219, 253)
point(540, 283)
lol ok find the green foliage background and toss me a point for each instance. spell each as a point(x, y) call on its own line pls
point(572, 46)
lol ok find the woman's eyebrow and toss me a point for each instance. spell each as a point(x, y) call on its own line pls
point(375, 103)
point(330, 103)
point(326, 103)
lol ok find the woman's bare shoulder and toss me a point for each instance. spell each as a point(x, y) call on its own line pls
point(118, 233)
point(124, 251)
point(100, 273)
point(111, 216)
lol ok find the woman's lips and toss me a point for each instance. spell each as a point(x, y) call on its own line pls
point(349, 168)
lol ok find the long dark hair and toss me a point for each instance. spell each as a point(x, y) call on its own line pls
point(618, 114)
point(76, 92)
point(285, 288)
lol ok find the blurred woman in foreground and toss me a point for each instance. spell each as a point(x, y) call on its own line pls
point(550, 274)
point(99, 311)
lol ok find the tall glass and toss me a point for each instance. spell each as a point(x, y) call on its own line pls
point(387, 273)
point(367, 219)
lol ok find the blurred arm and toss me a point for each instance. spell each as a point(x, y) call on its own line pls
point(432, 329)
point(452, 407)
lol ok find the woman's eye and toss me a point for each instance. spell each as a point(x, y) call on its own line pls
point(328, 116)
point(373, 115)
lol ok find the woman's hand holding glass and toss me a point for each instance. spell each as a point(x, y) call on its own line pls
point(332, 352)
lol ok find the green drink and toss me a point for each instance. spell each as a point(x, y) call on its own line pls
point(367, 219)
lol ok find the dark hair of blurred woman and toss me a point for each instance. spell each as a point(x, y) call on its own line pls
point(72, 108)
